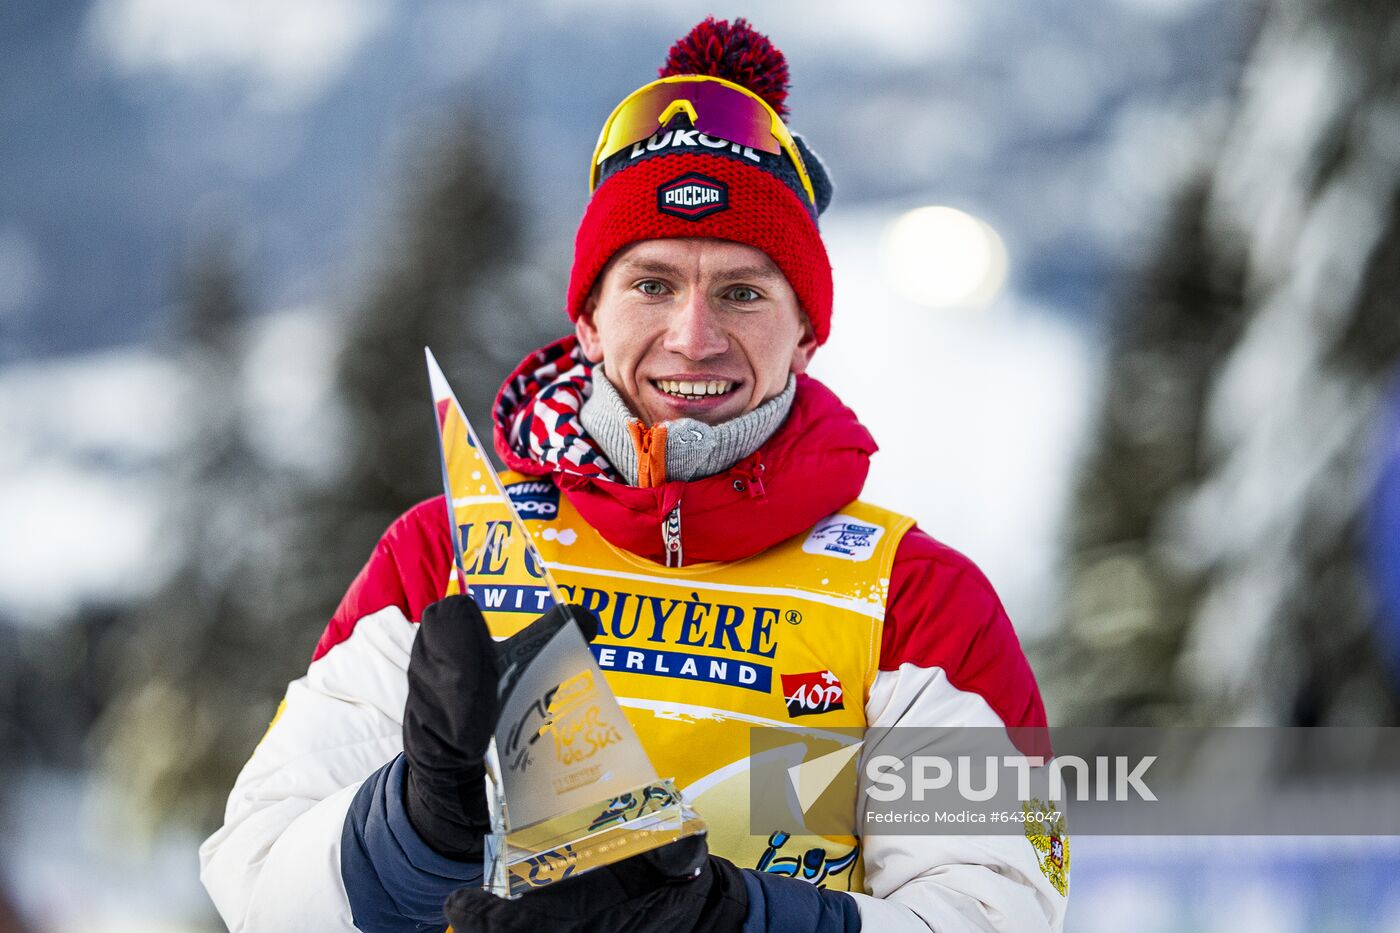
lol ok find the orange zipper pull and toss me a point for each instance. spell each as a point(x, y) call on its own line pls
point(650, 447)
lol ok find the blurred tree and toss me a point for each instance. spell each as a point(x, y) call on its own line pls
point(450, 278)
point(263, 554)
point(187, 661)
point(1131, 601)
point(1218, 569)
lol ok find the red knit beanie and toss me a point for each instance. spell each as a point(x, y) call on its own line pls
point(683, 184)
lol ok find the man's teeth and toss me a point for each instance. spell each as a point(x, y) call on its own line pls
point(694, 389)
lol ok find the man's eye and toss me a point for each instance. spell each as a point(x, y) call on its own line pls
point(650, 287)
point(744, 293)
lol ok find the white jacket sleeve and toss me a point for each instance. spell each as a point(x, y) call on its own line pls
point(948, 884)
point(275, 863)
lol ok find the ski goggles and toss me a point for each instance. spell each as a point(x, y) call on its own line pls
point(716, 108)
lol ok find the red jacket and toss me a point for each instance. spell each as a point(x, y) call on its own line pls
point(941, 613)
point(315, 836)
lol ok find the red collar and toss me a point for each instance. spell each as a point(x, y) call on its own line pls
point(813, 465)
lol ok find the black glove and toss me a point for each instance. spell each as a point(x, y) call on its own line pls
point(677, 888)
point(454, 687)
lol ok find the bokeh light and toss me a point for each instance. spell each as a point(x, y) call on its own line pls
point(941, 257)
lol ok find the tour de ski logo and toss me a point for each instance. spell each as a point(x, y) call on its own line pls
point(692, 196)
point(569, 713)
point(844, 537)
point(811, 693)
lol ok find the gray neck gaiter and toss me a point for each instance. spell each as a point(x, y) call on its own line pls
point(693, 449)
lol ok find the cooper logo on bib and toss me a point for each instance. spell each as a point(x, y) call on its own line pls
point(692, 196)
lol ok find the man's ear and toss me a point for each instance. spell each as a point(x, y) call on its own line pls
point(588, 337)
point(806, 346)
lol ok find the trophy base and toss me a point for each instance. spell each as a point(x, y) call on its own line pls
point(534, 856)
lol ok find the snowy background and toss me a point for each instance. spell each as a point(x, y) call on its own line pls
point(1181, 217)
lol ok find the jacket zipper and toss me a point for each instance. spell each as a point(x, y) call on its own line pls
point(671, 535)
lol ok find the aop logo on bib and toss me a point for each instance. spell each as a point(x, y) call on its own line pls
point(692, 196)
point(815, 692)
point(844, 537)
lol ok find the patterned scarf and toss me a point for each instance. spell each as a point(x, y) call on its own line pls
point(537, 412)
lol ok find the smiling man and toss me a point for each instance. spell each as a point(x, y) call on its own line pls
point(699, 496)
point(694, 328)
point(698, 345)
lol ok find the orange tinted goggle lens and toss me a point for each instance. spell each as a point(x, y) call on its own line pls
point(714, 107)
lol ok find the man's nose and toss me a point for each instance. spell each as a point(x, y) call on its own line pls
point(695, 330)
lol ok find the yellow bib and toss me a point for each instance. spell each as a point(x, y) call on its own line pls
point(700, 655)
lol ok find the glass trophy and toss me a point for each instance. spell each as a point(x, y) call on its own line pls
point(569, 786)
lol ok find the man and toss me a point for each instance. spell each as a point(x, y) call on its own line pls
point(700, 501)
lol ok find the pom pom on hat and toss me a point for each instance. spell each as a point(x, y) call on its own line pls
point(735, 52)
